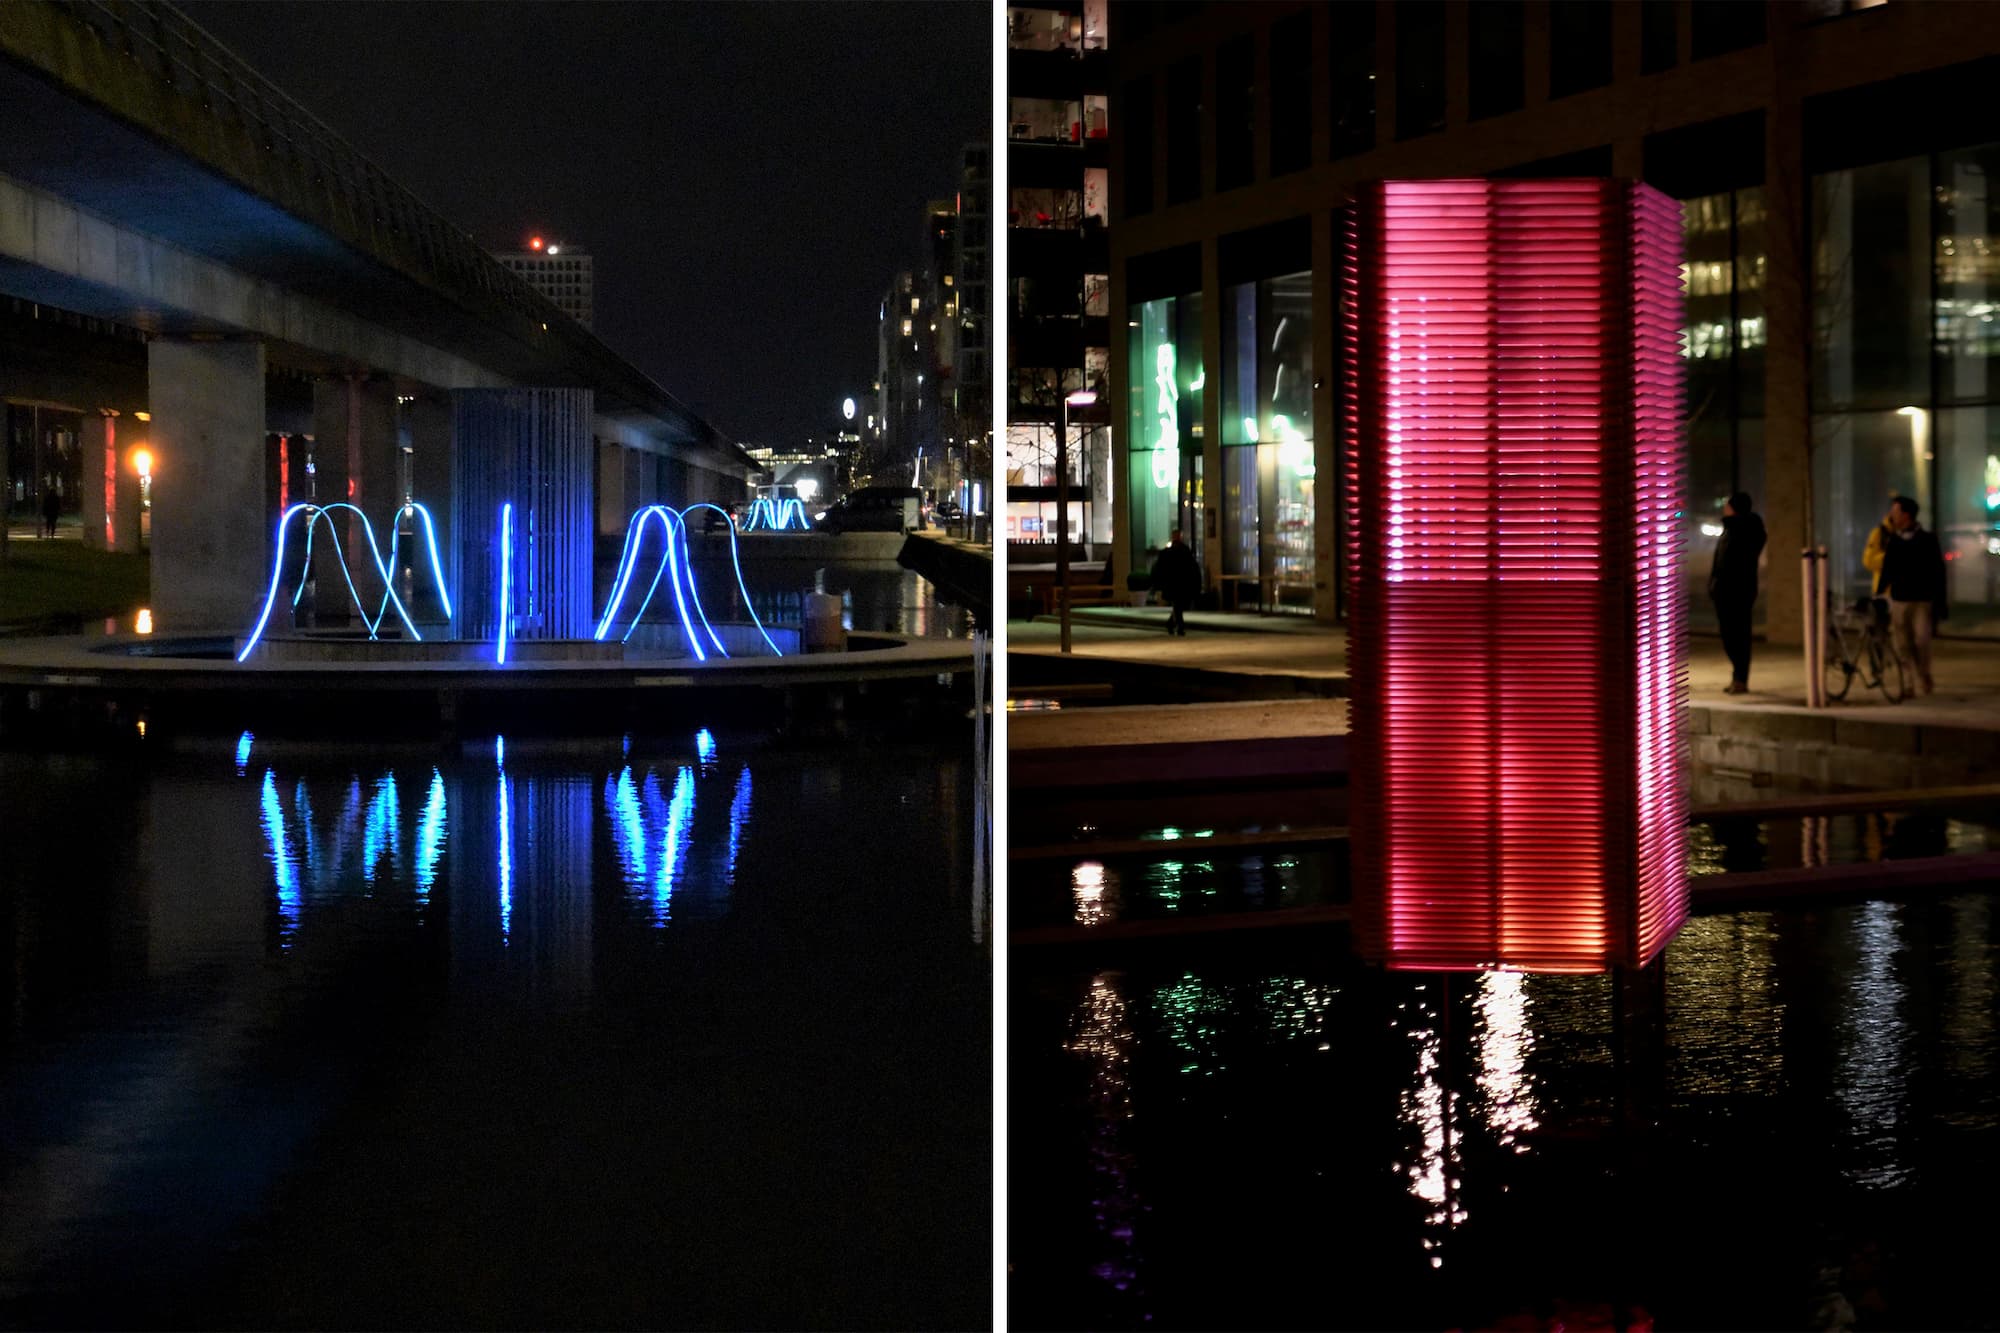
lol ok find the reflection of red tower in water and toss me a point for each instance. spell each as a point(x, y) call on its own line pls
point(1514, 480)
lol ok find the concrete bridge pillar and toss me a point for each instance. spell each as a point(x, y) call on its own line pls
point(207, 442)
point(111, 482)
point(355, 456)
point(432, 481)
point(613, 509)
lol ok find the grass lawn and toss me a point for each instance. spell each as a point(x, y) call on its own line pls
point(52, 585)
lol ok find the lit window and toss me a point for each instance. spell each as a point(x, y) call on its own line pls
point(906, 328)
point(916, 304)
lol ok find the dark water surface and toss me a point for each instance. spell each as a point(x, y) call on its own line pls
point(696, 1034)
point(1260, 1133)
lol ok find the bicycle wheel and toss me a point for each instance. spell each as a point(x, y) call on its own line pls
point(1890, 676)
point(1839, 666)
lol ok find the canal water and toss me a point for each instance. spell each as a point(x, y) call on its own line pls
point(685, 1032)
point(1251, 1130)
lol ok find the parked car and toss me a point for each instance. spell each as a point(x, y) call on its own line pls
point(948, 511)
point(876, 509)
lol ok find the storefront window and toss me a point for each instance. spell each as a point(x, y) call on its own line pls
point(1269, 469)
point(1967, 519)
point(1861, 460)
point(1165, 389)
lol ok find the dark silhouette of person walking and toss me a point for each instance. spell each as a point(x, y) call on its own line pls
point(1177, 578)
point(1913, 581)
point(51, 510)
point(1732, 584)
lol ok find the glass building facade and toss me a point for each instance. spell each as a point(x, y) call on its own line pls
point(1269, 471)
point(1906, 287)
point(1164, 471)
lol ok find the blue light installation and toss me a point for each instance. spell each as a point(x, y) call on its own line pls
point(317, 514)
point(506, 609)
point(778, 515)
point(677, 565)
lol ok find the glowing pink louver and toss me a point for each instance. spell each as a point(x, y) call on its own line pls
point(1514, 490)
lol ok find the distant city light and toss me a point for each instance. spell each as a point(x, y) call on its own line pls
point(847, 408)
point(144, 624)
point(555, 249)
point(534, 243)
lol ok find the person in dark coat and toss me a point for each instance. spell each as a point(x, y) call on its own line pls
point(1177, 578)
point(51, 511)
point(1732, 584)
point(1913, 581)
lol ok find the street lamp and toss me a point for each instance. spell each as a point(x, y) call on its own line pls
point(1081, 398)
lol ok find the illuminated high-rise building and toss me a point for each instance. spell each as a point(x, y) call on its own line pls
point(558, 271)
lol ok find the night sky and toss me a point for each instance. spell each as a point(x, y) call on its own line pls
point(748, 177)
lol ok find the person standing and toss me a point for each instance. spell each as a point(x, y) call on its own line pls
point(1913, 580)
point(1177, 578)
point(51, 510)
point(1732, 584)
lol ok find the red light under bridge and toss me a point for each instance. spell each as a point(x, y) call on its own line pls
point(1514, 501)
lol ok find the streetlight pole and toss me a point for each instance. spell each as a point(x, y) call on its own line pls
point(1081, 398)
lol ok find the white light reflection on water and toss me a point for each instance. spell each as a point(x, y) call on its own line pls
point(1969, 1008)
point(1102, 1033)
point(1426, 1109)
point(1873, 1065)
point(1086, 885)
point(1505, 1038)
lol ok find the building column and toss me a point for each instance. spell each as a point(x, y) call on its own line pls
point(612, 510)
point(355, 457)
point(100, 480)
point(209, 543)
point(1787, 501)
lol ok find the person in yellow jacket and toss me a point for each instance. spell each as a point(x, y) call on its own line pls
point(1873, 556)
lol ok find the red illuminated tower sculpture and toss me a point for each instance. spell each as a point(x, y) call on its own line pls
point(1514, 510)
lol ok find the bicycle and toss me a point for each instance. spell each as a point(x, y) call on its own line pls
point(1858, 645)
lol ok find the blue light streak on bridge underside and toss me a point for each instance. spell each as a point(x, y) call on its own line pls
point(676, 564)
point(317, 514)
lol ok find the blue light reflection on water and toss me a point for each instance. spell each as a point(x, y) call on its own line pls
point(676, 862)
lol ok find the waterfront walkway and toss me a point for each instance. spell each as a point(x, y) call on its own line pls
point(1298, 669)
